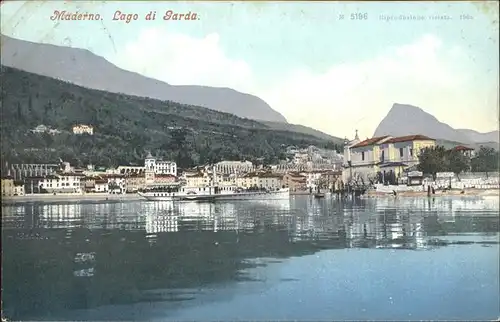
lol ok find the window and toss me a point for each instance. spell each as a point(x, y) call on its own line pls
point(362, 156)
point(401, 152)
point(411, 152)
point(382, 157)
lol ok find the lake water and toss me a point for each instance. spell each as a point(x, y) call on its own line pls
point(314, 259)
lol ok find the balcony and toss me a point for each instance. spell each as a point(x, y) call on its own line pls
point(360, 163)
point(404, 159)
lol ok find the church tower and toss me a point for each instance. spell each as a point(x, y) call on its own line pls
point(149, 169)
point(149, 162)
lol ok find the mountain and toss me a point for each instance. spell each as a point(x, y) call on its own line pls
point(480, 137)
point(82, 67)
point(405, 119)
point(126, 127)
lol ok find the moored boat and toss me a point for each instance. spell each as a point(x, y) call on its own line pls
point(214, 193)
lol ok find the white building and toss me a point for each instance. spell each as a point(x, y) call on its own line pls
point(312, 179)
point(63, 182)
point(197, 180)
point(159, 166)
point(116, 183)
point(248, 180)
point(45, 129)
point(40, 129)
point(101, 186)
point(270, 181)
point(18, 189)
point(54, 131)
point(82, 128)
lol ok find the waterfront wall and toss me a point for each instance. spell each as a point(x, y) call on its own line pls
point(70, 197)
point(441, 184)
point(480, 180)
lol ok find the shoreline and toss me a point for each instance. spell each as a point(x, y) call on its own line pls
point(49, 198)
point(71, 198)
point(471, 192)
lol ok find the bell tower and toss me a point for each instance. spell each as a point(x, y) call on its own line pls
point(149, 162)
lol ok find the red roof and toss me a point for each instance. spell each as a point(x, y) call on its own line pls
point(462, 148)
point(407, 138)
point(369, 142)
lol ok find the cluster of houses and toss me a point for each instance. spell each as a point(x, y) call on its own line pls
point(77, 129)
point(311, 158)
point(376, 159)
point(156, 173)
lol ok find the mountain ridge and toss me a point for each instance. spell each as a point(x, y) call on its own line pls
point(396, 123)
point(84, 68)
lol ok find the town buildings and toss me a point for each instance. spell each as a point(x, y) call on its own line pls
point(62, 178)
point(308, 159)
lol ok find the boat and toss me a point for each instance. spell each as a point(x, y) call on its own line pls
point(319, 195)
point(214, 193)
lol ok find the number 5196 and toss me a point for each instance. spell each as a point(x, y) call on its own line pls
point(359, 16)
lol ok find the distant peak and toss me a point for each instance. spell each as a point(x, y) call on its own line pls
point(405, 106)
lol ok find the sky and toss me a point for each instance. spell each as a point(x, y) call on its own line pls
point(316, 69)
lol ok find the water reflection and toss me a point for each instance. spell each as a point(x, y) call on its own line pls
point(61, 257)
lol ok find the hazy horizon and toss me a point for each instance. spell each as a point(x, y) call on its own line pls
point(304, 61)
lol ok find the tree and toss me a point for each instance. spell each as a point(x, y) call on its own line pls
point(457, 162)
point(486, 160)
point(433, 160)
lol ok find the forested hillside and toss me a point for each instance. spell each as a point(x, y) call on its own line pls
point(126, 127)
